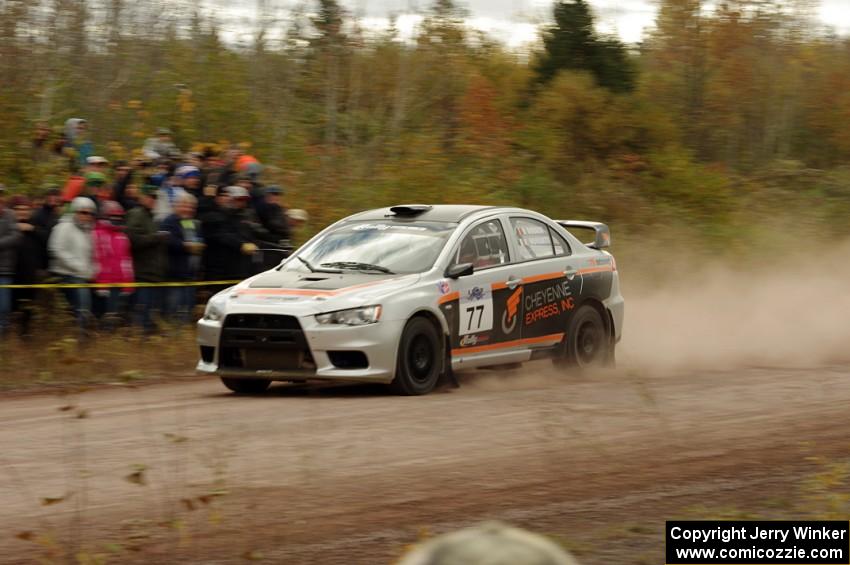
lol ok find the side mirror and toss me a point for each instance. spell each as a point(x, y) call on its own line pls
point(460, 270)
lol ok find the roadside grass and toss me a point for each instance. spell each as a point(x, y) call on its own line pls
point(55, 357)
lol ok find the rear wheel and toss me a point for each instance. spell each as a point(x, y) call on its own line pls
point(419, 359)
point(587, 343)
point(246, 386)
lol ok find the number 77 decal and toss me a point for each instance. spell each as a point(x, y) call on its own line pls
point(476, 310)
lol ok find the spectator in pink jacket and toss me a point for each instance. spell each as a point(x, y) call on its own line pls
point(113, 259)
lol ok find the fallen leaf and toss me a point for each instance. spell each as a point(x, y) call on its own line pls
point(51, 500)
point(137, 478)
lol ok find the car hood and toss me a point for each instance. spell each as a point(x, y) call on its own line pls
point(297, 293)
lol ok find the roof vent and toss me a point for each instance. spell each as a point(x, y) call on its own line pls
point(410, 209)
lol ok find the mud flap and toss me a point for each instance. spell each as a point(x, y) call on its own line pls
point(448, 372)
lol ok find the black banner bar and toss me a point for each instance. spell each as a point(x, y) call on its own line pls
point(698, 542)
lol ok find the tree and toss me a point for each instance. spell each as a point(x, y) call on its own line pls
point(573, 44)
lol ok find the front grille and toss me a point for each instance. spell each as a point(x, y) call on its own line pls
point(262, 322)
point(264, 342)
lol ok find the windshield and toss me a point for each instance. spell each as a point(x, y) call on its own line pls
point(376, 247)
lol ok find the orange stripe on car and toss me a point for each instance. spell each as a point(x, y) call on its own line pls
point(449, 297)
point(306, 291)
point(544, 277)
point(589, 270)
point(552, 338)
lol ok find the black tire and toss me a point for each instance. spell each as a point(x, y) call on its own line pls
point(587, 344)
point(246, 386)
point(420, 359)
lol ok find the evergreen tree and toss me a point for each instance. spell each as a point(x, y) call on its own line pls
point(572, 43)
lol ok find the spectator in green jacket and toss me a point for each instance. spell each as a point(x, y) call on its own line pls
point(150, 247)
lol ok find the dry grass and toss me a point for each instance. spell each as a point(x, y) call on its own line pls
point(56, 357)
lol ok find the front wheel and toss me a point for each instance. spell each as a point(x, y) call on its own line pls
point(419, 359)
point(587, 343)
point(246, 386)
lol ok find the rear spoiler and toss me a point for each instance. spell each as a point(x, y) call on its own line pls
point(602, 238)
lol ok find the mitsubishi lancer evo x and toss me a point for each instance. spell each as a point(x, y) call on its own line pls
point(405, 295)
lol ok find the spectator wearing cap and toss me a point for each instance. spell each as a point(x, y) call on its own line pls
point(71, 255)
point(114, 261)
point(31, 259)
point(78, 183)
point(273, 216)
point(96, 188)
point(185, 246)
point(161, 146)
point(296, 218)
point(149, 246)
point(170, 189)
point(230, 245)
point(10, 238)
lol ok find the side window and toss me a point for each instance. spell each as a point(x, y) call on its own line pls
point(533, 239)
point(484, 246)
point(561, 246)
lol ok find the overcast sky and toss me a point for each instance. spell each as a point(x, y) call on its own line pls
point(513, 21)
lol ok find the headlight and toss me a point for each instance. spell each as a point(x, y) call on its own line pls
point(353, 317)
point(214, 311)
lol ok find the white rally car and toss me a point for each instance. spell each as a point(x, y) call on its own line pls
point(404, 295)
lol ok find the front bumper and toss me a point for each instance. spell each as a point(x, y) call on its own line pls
point(379, 342)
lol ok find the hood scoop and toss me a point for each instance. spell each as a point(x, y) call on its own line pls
point(314, 279)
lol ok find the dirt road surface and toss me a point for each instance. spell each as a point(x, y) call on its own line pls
point(304, 474)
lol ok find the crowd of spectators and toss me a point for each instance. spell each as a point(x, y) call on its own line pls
point(165, 216)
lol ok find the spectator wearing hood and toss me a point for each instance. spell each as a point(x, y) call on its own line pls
point(185, 246)
point(31, 259)
point(71, 255)
point(149, 246)
point(113, 258)
point(10, 238)
point(76, 136)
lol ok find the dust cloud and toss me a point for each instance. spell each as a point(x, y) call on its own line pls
point(793, 312)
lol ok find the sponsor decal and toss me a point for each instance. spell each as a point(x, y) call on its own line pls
point(509, 317)
point(475, 293)
point(474, 339)
point(444, 288)
point(547, 302)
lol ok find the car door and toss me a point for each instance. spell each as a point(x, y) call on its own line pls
point(551, 285)
point(483, 310)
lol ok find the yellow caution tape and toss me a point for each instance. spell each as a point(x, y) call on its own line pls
point(122, 285)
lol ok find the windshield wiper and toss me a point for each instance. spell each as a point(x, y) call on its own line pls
point(354, 265)
point(314, 269)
